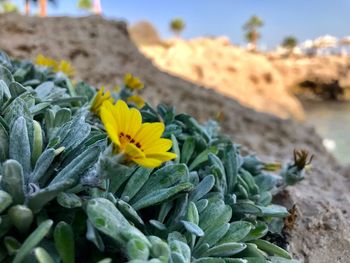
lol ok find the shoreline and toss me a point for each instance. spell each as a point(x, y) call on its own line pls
point(331, 120)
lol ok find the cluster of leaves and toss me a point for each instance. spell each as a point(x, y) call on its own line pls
point(7, 7)
point(65, 197)
point(177, 25)
point(251, 28)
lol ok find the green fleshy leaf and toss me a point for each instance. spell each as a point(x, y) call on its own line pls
point(202, 188)
point(42, 256)
point(94, 236)
point(12, 245)
point(69, 200)
point(5, 200)
point(225, 250)
point(129, 212)
point(37, 142)
point(238, 231)
point(64, 242)
point(137, 249)
point(4, 144)
point(202, 157)
point(161, 195)
point(187, 150)
point(22, 217)
point(20, 145)
point(106, 218)
point(37, 200)
point(271, 249)
point(13, 181)
point(136, 181)
point(258, 231)
point(32, 240)
point(209, 260)
point(78, 166)
point(193, 228)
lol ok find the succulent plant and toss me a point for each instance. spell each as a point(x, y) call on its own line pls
point(66, 196)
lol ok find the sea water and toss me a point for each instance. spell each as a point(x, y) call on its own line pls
point(332, 122)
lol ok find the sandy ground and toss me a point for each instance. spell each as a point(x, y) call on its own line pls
point(102, 52)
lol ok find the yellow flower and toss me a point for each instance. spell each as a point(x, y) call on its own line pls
point(116, 88)
point(140, 142)
point(138, 101)
point(65, 67)
point(41, 60)
point(98, 100)
point(132, 82)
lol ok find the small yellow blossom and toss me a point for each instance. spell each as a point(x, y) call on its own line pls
point(98, 100)
point(132, 82)
point(272, 167)
point(65, 67)
point(140, 142)
point(138, 101)
point(116, 88)
point(41, 60)
point(62, 66)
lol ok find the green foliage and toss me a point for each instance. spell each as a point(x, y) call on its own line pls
point(290, 42)
point(85, 4)
point(177, 25)
point(253, 23)
point(251, 28)
point(8, 7)
point(66, 197)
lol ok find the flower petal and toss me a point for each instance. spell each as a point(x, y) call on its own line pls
point(148, 162)
point(121, 112)
point(149, 133)
point(163, 156)
point(110, 123)
point(160, 145)
point(98, 100)
point(133, 152)
point(112, 133)
point(134, 122)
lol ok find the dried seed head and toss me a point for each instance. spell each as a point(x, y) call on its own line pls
point(302, 158)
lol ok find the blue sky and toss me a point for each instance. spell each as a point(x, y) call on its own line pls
point(302, 18)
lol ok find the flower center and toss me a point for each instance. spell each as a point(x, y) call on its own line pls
point(126, 138)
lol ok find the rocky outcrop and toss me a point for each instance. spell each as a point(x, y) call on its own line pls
point(214, 62)
point(144, 33)
point(323, 77)
point(102, 52)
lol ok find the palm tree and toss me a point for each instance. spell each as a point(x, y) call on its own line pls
point(251, 27)
point(85, 4)
point(290, 43)
point(7, 7)
point(91, 5)
point(177, 25)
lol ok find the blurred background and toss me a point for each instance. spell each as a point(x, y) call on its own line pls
point(275, 75)
point(284, 58)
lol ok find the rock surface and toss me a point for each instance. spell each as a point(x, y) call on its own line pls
point(265, 82)
point(321, 70)
point(247, 77)
point(102, 51)
point(144, 33)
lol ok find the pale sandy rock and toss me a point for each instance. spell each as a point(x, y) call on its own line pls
point(215, 62)
point(321, 69)
point(144, 32)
